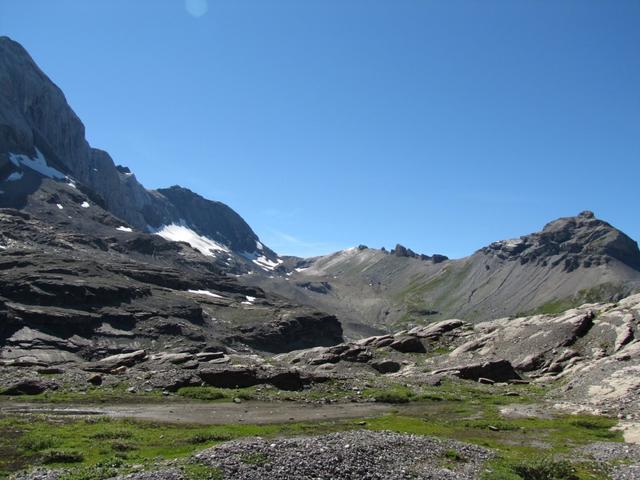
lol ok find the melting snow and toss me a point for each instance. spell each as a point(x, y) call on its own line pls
point(59, 206)
point(205, 292)
point(39, 164)
point(85, 205)
point(71, 184)
point(259, 246)
point(180, 233)
point(250, 298)
point(262, 261)
point(122, 228)
point(265, 263)
point(301, 269)
point(15, 176)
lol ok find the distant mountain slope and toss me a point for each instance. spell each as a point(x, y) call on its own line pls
point(572, 260)
point(40, 133)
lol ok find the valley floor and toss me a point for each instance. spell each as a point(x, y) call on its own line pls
point(455, 431)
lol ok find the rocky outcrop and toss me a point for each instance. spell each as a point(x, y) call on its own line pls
point(292, 332)
point(402, 251)
point(495, 370)
point(572, 242)
point(240, 376)
point(29, 387)
point(73, 293)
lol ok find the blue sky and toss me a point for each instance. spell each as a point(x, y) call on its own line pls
point(443, 125)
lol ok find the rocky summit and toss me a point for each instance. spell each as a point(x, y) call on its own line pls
point(150, 334)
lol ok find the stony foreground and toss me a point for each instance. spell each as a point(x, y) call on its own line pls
point(351, 455)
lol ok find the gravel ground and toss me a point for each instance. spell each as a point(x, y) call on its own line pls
point(626, 453)
point(361, 455)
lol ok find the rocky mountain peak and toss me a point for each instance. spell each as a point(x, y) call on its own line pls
point(42, 139)
point(583, 240)
point(214, 220)
point(402, 251)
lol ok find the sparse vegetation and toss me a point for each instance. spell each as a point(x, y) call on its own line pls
point(545, 469)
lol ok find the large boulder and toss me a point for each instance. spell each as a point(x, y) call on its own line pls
point(230, 377)
point(284, 379)
point(112, 362)
point(408, 344)
point(436, 330)
point(385, 366)
point(496, 370)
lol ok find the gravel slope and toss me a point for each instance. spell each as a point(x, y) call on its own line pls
point(362, 455)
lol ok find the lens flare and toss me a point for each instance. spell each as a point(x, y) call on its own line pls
point(196, 8)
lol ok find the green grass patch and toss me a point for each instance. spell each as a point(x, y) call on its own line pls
point(99, 446)
point(104, 394)
point(257, 458)
point(197, 471)
point(393, 394)
point(202, 393)
point(600, 293)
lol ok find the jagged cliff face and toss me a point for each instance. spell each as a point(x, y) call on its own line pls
point(572, 260)
point(38, 130)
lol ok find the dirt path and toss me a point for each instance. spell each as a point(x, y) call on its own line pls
point(209, 413)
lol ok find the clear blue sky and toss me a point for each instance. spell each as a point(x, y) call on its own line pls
point(442, 125)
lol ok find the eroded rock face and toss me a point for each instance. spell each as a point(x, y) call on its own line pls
point(75, 292)
point(293, 333)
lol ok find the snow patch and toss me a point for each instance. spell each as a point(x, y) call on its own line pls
point(71, 184)
point(301, 269)
point(259, 246)
point(59, 206)
point(2, 247)
point(85, 205)
point(250, 298)
point(181, 233)
point(15, 176)
point(266, 264)
point(205, 292)
point(262, 261)
point(38, 163)
point(122, 228)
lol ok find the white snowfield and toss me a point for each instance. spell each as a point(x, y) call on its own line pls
point(262, 261)
point(39, 164)
point(122, 228)
point(205, 292)
point(15, 176)
point(180, 233)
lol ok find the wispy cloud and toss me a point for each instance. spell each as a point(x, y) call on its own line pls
point(287, 244)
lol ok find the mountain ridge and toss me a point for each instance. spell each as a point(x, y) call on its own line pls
point(36, 122)
point(570, 261)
